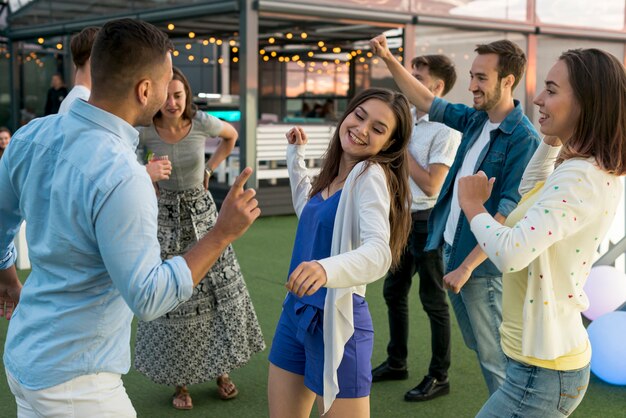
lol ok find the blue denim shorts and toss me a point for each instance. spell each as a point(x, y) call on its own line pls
point(298, 347)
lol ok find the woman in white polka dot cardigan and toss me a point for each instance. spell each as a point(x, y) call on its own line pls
point(570, 191)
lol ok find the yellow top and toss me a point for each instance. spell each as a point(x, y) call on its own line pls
point(514, 286)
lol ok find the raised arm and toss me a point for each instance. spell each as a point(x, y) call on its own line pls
point(416, 92)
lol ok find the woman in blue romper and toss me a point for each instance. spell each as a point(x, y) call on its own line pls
point(354, 221)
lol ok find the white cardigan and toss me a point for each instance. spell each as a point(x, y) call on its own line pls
point(360, 252)
point(556, 241)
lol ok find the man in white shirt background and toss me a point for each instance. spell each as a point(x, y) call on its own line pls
point(431, 153)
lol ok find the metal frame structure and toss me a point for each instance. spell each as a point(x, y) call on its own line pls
point(252, 18)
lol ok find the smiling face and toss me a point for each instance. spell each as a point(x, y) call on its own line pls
point(175, 103)
point(366, 130)
point(485, 83)
point(558, 107)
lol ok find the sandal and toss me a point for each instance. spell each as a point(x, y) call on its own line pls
point(226, 389)
point(182, 396)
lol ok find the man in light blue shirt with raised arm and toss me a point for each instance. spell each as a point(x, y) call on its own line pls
point(91, 217)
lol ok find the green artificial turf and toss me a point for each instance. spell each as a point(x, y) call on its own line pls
point(264, 253)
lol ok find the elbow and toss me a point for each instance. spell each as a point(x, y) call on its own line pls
point(429, 191)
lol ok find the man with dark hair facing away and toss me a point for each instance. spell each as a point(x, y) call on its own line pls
point(431, 153)
point(91, 216)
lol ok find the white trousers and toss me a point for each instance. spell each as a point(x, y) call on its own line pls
point(100, 395)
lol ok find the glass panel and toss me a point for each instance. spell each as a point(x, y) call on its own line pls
point(482, 9)
point(605, 14)
point(386, 5)
point(5, 91)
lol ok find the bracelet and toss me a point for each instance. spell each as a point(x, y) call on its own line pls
point(208, 172)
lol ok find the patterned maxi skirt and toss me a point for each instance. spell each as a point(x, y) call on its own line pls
point(216, 330)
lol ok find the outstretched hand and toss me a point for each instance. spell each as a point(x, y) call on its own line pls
point(380, 47)
point(296, 136)
point(306, 279)
point(239, 209)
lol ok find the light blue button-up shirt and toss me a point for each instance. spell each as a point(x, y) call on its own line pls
point(91, 226)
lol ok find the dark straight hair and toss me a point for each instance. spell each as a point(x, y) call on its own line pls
point(124, 50)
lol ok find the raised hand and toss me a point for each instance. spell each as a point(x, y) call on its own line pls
point(307, 278)
point(239, 209)
point(475, 189)
point(379, 46)
point(296, 136)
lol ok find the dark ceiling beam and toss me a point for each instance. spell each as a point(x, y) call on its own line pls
point(153, 16)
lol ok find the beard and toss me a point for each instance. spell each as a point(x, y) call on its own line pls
point(491, 100)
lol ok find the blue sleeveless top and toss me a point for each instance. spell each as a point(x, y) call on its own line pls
point(314, 238)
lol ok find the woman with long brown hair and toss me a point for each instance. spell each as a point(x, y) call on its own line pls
point(571, 189)
point(354, 220)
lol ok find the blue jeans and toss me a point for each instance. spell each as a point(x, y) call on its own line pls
point(478, 310)
point(531, 391)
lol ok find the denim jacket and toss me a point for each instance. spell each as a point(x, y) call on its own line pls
point(511, 146)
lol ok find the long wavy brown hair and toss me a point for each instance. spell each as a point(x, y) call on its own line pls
point(598, 80)
point(392, 160)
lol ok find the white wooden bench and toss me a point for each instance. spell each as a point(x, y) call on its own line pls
point(271, 150)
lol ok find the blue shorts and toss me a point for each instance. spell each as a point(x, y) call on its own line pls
point(298, 347)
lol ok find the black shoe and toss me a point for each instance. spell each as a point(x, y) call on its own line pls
point(428, 389)
point(385, 372)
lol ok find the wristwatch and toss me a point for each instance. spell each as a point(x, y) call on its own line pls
point(208, 172)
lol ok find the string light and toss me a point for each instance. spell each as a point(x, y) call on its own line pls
point(361, 59)
point(220, 60)
point(266, 58)
point(171, 26)
point(337, 61)
point(262, 52)
point(320, 44)
point(192, 35)
point(205, 60)
point(187, 46)
point(175, 53)
point(400, 49)
point(40, 41)
point(235, 59)
point(205, 42)
point(281, 59)
point(59, 46)
point(273, 54)
point(218, 42)
point(336, 50)
point(310, 54)
point(212, 40)
point(271, 40)
point(369, 55)
point(304, 35)
point(235, 49)
point(191, 58)
point(324, 49)
point(295, 58)
point(232, 42)
point(289, 35)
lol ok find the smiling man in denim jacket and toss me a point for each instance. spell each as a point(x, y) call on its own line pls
point(499, 140)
